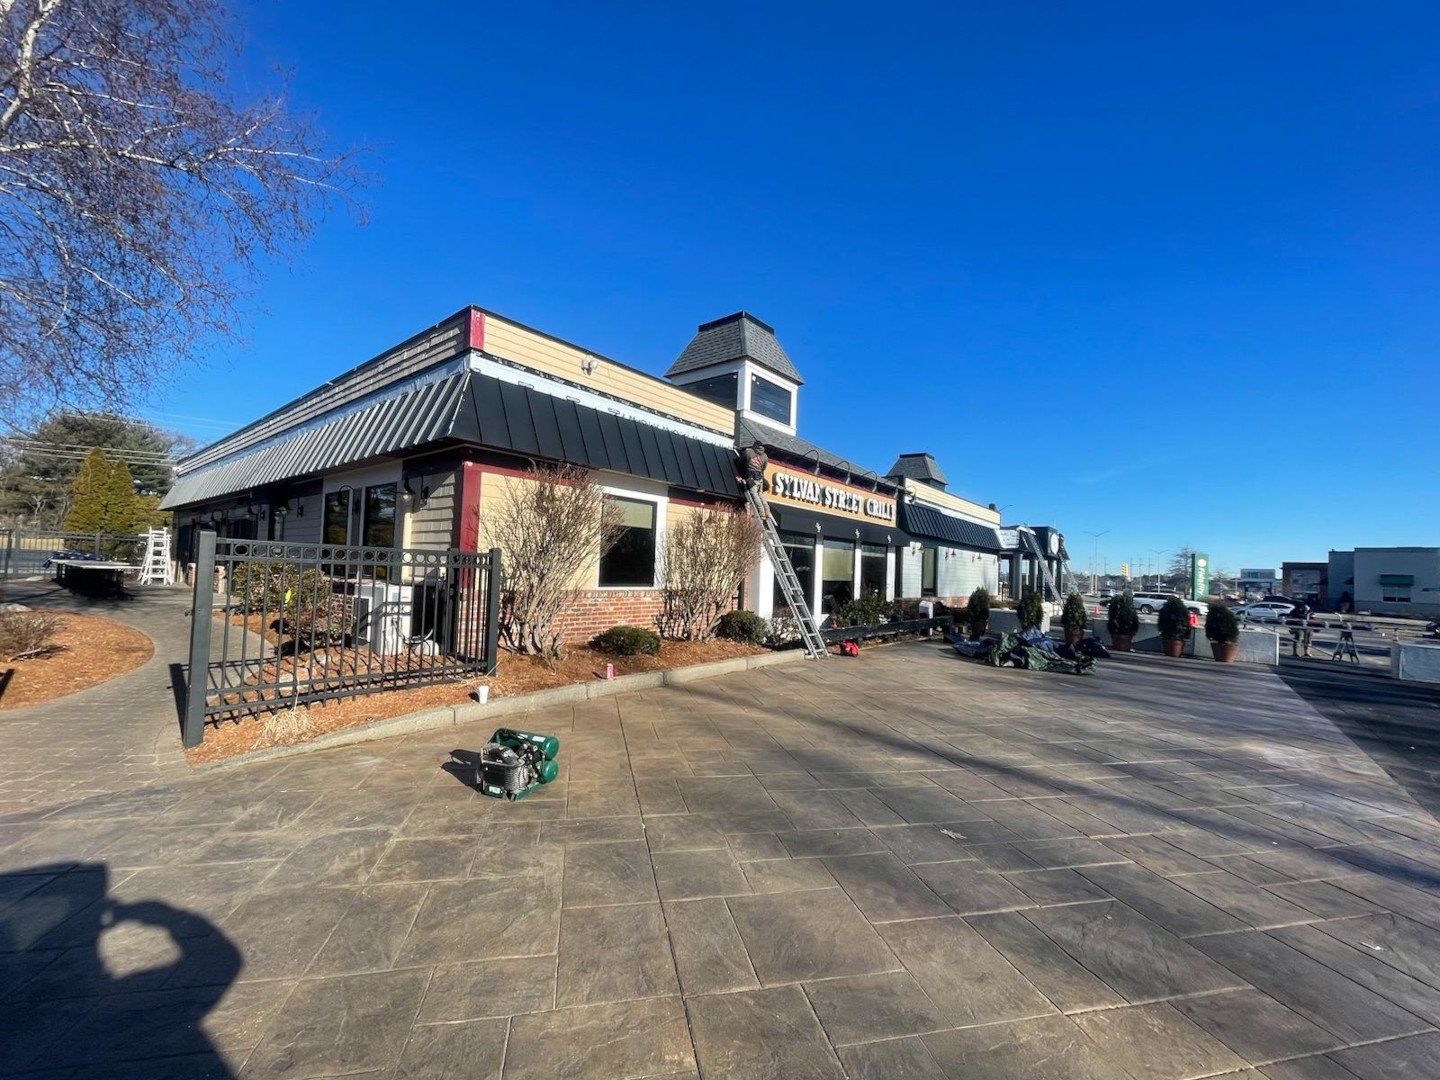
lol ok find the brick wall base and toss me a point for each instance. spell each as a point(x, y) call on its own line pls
point(596, 610)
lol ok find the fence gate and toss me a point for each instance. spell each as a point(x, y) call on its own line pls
point(278, 625)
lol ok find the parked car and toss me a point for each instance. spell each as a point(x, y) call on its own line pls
point(1148, 603)
point(1106, 594)
point(1266, 609)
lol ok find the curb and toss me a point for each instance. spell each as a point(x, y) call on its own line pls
point(453, 715)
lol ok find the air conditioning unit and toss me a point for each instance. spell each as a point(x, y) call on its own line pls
point(382, 615)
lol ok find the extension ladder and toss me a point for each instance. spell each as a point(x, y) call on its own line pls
point(1032, 543)
point(815, 646)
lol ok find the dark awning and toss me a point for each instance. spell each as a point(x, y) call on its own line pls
point(793, 519)
point(921, 520)
point(469, 407)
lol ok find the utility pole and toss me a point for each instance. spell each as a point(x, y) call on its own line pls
point(1095, 560)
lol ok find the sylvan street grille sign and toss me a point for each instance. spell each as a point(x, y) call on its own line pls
point(832, 498)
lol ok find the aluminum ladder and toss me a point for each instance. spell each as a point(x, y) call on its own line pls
point(1032, 543)
point(815, 646)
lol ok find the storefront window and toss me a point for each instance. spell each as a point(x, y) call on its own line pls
point(837, 575)
point(379, 527)
point(770, 400)
point(801, 550)
point(337, 517)
point(872, 569)
point(927, 571)
point(631, 562)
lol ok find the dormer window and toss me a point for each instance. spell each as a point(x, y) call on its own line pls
point(721, 389)
point(769, 399)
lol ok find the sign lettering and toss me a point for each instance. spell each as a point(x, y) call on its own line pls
point(832, 498)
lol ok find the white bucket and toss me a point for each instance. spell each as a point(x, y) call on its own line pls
point(482, 693)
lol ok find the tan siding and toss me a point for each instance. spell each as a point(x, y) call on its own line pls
point(926, 494)
point(441, 343)
point(535, 350)
point(432, 526)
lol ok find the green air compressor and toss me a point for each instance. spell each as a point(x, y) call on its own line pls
point(515, 763)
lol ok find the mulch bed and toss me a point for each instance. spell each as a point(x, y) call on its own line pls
point(92, 650)
point(514, 675)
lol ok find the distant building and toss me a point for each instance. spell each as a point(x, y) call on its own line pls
point(1397, 580)
point(1258, 581)
point(1306, 581)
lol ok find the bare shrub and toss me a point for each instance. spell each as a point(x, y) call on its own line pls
point(25, 636)
point(702, 562)
point(549, 526)
point(285, 728)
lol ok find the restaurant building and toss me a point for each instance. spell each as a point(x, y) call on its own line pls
point(418, 447)
point(836, 519)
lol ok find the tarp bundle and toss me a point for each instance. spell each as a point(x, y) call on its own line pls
point(1029, 649)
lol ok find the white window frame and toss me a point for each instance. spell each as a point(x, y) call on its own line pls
point(662, 509)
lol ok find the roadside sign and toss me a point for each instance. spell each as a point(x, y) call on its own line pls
point(1199, 575)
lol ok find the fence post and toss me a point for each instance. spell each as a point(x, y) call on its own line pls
point(97, 545)
point(492, 614)
point(197, 676)
point(9, 551)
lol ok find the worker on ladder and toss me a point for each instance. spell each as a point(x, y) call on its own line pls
point(753, 462)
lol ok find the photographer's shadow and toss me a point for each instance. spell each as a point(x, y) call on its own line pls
point(87, 981)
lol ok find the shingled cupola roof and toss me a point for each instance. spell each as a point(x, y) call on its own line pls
point(920, 467)
point(735, 337)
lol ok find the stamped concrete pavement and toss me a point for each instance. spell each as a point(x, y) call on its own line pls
point(905, 865)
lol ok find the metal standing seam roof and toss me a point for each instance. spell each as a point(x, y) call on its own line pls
point(918, 519)
point(748, 431)
point(472, 408)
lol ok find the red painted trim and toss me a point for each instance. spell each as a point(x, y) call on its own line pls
point(467, 518)
point(475, 330)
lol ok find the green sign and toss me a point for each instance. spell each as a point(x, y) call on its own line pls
point(1199, 575)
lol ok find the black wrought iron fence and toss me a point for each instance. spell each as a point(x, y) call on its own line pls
point(279, 625)
point(30, 552)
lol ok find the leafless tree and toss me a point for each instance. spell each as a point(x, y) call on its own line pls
point(136, 195)
point(549, 525)
point(704, 558)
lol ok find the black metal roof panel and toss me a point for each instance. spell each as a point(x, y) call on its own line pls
point(557, 429)
point(735, 337)
point(918, 519)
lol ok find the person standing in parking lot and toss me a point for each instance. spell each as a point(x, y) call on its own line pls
point(1302, 634)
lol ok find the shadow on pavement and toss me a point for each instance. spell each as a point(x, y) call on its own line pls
point(1397, 724)
point(60, 1003)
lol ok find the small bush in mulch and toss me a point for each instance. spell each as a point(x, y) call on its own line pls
point(743, 626)
point(26, 635)
point(628, 641)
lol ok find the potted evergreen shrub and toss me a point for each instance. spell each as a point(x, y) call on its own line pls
point(1030, 611)
point(1122, 621)
point(1075, 619)
point(977, 613)
point(1174, 626)
point(1223, 630)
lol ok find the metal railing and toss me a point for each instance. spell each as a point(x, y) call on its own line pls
point(28, 552)
point(277, 625)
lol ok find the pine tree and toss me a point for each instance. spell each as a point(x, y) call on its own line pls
point(122, 509)
point(89, 494)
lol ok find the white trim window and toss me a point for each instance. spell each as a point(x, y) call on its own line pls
point(633, 561)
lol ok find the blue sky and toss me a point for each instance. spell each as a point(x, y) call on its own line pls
point(1170, 275)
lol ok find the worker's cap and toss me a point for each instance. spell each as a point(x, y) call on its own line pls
point(757, 445)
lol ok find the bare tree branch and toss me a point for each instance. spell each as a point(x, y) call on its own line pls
point(137, 198)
